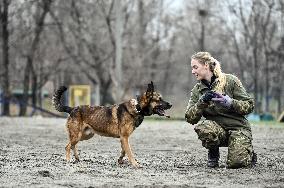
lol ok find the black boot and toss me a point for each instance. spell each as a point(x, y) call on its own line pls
point(213, 157)
point(254, 159)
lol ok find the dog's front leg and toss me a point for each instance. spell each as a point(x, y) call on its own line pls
point(120, 159)
point(126, 147)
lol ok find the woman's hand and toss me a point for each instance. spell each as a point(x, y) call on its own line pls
point(223, 100)
point(206, 97)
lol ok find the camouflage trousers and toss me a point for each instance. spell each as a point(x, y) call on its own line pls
point(239, 142)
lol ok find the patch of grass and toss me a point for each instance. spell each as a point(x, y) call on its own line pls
point(256, 123)
point(159, 118)
point(267, 123)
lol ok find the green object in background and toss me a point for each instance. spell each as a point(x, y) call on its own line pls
point(253, 117)
point(266, 117)
point(260, 117)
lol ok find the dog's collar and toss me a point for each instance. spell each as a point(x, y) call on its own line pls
point(141, 111)
point(138, 117)
point(138, 120)
point(144, 112)
point(138, 108)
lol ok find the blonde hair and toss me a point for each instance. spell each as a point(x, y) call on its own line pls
point(214, 65)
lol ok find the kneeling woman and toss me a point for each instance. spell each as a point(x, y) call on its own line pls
point(217, 107)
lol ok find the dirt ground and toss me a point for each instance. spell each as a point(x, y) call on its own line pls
point(32, 154)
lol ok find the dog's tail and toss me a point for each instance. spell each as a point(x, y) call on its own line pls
point(57, 103)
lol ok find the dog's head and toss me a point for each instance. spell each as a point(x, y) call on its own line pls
point(151, 102)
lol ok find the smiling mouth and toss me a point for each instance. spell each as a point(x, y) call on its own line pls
point(160, 111)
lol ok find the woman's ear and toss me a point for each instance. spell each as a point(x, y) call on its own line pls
point(206, 66)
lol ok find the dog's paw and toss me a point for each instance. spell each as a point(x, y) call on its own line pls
point(76, 161)
point(121, 161)
point(136, 165)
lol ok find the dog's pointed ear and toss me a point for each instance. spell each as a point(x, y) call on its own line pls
point(150, 88)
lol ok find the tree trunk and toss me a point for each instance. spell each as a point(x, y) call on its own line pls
point(118, 49)
point(168, 66)
point(280, 75)
point(238, 57)
point(34, 89)
point(26, 86)
point(203, 14)
point(106, 95)
point(255, 52)
point(5, 48)
point(255, 78)
point(266, 83)
point(202, 37)
point(156, 53)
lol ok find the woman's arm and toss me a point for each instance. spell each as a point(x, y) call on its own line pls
point(242, 102)
point(194, 108)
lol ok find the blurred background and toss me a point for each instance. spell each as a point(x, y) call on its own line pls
point(107, 51)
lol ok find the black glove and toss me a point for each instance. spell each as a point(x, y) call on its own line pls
point(206, 97)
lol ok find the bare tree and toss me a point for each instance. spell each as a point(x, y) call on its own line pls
point(268, 31)
point(83, 46)
point(42, 10)
point(278, 56)
point(253, 44)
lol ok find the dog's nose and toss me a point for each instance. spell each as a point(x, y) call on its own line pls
point(169, 105)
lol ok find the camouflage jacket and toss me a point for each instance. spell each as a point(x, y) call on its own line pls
point(229, 119)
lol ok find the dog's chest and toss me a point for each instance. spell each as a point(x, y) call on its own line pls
point(137, 121)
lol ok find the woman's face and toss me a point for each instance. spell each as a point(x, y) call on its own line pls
point(200, 71)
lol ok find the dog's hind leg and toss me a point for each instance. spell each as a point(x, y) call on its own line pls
point(127, 149)
point(75, 134)
point(75, 151)
point(68, 149)
point(69, 146)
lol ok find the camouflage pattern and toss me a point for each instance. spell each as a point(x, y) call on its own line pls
point(211, 134)
point(238, 142)
point(229, 119)
point(221, 126)
point(240, 149)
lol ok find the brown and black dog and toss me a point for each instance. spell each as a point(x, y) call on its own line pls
point(118, 121)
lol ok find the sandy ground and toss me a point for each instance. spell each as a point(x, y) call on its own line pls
point(32, 154)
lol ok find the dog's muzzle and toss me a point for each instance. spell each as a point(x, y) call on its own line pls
point(160, 109)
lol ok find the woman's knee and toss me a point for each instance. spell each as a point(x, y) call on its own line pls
point(240, 150)
point(210, 133)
